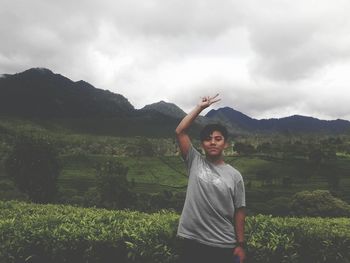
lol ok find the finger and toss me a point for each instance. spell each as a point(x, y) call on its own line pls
point(213, 101)
point(217, 94)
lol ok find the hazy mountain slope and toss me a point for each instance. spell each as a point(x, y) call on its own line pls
point(294, 124)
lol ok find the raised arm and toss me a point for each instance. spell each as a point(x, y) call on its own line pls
point(181, 130)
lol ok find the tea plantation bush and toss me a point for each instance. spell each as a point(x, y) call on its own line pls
point(57, 233)
point(291, 239)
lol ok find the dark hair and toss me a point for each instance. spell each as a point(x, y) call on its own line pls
point(210, 128)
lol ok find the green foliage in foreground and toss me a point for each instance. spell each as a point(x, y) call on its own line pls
point(58, 233)
point(299, 240)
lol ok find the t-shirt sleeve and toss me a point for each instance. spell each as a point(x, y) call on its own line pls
point(239, 199)
point(191, 156)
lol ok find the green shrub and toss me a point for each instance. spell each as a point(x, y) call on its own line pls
point(302, 240)
point(270, 240)
point(318, 203)
point(58, 233)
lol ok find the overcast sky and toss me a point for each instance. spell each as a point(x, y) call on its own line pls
point(266, 58)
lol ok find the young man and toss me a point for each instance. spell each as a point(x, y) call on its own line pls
point(212, 220)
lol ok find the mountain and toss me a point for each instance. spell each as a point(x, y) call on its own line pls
point(40, 93)
point(168, 109)
point(294, 124)
point(236, 121)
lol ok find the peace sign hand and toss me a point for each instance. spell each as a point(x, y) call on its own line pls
point(207, 101)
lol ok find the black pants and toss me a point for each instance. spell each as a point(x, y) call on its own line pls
point(195, 252)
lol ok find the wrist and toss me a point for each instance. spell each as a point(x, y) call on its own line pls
point(241, 244)
point(201, 107)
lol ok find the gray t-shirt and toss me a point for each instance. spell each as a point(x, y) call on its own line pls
point(213, 193)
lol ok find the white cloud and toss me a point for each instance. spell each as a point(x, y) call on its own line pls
point(295, 40)
point(269, 59)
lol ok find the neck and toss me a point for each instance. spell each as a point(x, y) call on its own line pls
point(216, 159)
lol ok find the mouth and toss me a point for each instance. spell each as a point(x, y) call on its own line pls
point(213, 149)
point(213, 152)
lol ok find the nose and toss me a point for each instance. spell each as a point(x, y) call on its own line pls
point(212, 141)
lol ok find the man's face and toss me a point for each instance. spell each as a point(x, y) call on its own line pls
point(214, 144)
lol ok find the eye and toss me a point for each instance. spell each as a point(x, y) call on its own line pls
point(218, 138)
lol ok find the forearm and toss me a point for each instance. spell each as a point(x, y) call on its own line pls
point(188, 120)
point(239, 224)
point(181, 134)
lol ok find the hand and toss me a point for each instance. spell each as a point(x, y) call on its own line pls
point(239, 252)
point(207, 101)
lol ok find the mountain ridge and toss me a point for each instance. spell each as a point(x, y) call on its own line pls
point(41, 93)
point(294, 123)
point(38, 92)
point(166, 108)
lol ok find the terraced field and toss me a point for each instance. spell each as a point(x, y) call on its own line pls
point(265, 178)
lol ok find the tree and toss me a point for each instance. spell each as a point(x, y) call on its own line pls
point(113, 186)
point(265, 148)
point(33, 165)
point(243, 148)
point(323, 156)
